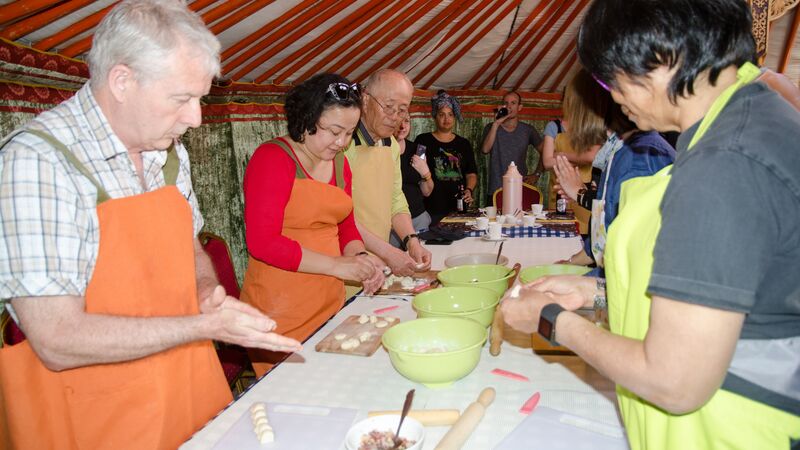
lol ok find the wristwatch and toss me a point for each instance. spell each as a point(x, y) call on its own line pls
point(547, 321)
point(408, 238)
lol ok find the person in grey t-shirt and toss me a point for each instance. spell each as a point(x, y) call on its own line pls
point(507, 140)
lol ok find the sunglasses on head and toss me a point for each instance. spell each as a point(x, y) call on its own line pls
point(601, 83)
point(344, 91)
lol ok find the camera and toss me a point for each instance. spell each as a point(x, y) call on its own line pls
point(502, 112)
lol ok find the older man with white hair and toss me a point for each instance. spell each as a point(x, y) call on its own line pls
point(99, 261)
point(374, 155)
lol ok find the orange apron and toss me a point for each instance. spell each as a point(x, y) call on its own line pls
point(144, 268)
point(301, 302)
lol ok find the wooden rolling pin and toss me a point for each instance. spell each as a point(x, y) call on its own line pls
point(427, 417)
point(496, 334)
point(462, 429)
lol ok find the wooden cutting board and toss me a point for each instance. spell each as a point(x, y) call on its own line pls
point(397, 289)
point(352, 329)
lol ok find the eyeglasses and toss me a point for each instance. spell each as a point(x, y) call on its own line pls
point(390, 110)
point(344, 91)
point(601, 83)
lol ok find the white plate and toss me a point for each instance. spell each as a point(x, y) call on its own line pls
point(486, 237)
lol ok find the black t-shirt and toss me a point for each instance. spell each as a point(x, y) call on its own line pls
point(411, 179)
point(449, 162)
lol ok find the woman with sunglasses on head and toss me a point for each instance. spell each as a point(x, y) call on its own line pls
point(298, 214)
point(701, 260)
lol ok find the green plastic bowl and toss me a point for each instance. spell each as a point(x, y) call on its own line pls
point(529, 274)
point(435, 351)
point(489, 276)
point(471, 302)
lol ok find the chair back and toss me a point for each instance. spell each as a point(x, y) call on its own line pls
point(530, 195)
point(11, 334)
point(217, 249)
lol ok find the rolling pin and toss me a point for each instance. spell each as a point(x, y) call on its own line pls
point(427, 417)
point(462, 429)
point(496, 334)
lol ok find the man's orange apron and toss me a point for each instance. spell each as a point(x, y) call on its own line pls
point(144, 268)
point(301, 302)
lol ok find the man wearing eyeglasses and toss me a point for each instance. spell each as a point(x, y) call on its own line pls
point(374, 156)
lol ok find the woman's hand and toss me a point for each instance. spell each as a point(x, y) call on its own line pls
point(353, 268)
point(420, 166)
point(375, 282)
point(569, 177)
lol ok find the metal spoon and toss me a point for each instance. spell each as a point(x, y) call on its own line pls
point(499, 251)
point(406, 407)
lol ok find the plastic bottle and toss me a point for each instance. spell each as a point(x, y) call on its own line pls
point(512, 190)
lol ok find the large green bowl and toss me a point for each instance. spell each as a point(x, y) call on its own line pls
point(470, 302)
point(435, 351)
point(529, 274)
point(489, 276)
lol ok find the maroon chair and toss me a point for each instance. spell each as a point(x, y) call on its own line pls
point(530, 195)
point(11, 334)
point(233, 358)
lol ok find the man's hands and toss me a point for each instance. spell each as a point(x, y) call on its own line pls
point(420, 254)
point(375, 282)
point(238, 323)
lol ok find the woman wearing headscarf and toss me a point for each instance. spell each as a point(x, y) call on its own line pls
point(450, 159)
point(701, 260)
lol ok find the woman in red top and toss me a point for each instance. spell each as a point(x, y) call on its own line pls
point(301, 234)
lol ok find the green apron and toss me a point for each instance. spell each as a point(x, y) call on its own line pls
point(728, 420)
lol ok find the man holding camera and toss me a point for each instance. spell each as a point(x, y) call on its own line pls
point(507, 140)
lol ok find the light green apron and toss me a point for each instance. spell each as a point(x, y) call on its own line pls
point(728, 420)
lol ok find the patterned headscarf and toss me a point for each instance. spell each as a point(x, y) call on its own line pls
point(442, 99)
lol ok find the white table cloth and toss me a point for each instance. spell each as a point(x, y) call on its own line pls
point(371, 383)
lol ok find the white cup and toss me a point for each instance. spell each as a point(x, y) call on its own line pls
point(482, 223)
point(495, 230)
point(501, 219)
point(528, 221)
point(536, 209)
point(491, 212)
point(511, 219)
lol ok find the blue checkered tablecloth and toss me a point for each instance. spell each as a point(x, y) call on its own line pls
point(521, 231)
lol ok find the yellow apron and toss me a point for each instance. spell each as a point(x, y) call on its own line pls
point(373, 187)
point(728, 420)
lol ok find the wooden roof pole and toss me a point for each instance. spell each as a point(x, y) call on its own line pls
point(222, 10)
point(388, 30)
point(549, 11)
point(465, 29)
point(535, 13)
point(560, 59)
point(565, 70)
point(329, 9)
point(392, 30)
point(34, 22)
point(85, 44)
point(273, 35)
point(553, 39)
point(529, 48)
point(790, 38)
point(301, 57)
point(510, 6)
point(265, 30)
point(335, 53)
point(238, 15)
point(21, 8)
point(73, 30)
point(421, 36)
